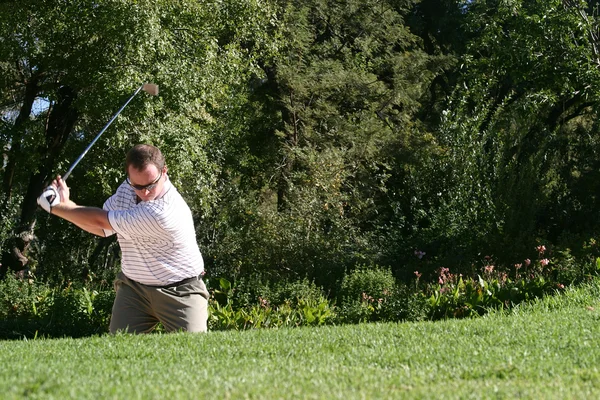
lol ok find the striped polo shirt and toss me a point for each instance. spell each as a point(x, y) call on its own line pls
point(157, 237)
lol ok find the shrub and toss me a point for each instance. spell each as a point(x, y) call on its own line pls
point(20, 298)
point(373, 281)
point(242, 292)
point(404, 304)
point(251, 303)
point(102, 303)
point(29, 308)
point(294, 292)
point(77, 312)
point(354, 312)
point(263, 315)
point(245, 292)
point(365, 293)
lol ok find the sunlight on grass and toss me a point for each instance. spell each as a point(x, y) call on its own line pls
point(547, 349)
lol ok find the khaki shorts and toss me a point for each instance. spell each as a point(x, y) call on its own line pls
point(139, 308)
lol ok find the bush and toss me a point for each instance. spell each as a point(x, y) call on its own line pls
point(572, 268)
point(374, 281)
point(29, 309)
point(264, 315)
point(254, 303)
point(242, 292)
point(365, 293)
point(404, 304)
point(20, 298)
point(247, 291)
point(293, 292)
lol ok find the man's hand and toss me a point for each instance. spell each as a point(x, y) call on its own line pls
point(58, 192)
point(55, 200)
point(62, 188)
point(49, 198)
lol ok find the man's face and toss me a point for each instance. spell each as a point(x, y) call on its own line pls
point(148, 182)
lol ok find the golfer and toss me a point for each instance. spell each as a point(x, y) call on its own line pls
point(161, 265)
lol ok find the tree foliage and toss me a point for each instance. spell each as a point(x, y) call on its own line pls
point(82, 60)
point(514, 169)
point(338, 124)
point(308, 137)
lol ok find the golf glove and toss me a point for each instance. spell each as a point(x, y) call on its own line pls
point(49, 199)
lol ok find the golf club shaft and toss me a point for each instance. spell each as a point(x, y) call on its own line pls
point(66, 175)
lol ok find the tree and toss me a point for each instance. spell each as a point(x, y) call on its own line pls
point(519, 130)
point(67, 67)
point(335, 115)
point(47, 59)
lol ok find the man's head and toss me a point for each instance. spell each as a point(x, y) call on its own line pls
point(146, 171)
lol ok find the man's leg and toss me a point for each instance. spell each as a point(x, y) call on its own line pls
point(131, 310)
point(183, 307)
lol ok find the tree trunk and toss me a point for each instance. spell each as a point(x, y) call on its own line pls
point(60, 124)
point(18, 132)
point(290, 125)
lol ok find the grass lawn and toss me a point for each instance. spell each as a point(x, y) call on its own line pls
point(550, 349)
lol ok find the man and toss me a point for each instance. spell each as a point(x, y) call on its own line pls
point(160, 263)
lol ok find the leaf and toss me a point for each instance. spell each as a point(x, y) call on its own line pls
point(482, 282)
point(224, 284)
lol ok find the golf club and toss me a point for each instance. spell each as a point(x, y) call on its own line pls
point(149, 88)
point(50, 193)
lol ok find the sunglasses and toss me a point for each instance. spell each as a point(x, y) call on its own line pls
point(147, 187)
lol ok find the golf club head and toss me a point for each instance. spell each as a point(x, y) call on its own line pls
point(151, 89)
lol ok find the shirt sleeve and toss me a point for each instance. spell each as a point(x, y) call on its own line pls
point(108, 206)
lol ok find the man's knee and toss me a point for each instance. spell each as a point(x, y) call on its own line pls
point(131, 312)
point(186, 312)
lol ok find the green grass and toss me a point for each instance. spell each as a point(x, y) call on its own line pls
point(549, 349)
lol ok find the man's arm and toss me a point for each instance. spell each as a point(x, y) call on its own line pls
point(91, 219)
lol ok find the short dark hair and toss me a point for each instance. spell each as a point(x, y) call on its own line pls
point(142, 155)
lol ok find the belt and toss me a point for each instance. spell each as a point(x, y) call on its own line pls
point(183, 282)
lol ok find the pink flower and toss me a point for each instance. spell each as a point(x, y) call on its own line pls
point(367, 298)
point(263, 302)
point(518, 266)
point(489, 269)
point(541, 249)
point(418, 274)
point(444, 275)
point(503, 277)
point(527, 262)
point(544, 262)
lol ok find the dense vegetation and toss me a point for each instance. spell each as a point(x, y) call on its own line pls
point(437, 140)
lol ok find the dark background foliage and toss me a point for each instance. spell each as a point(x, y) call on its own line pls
point(308, 137)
